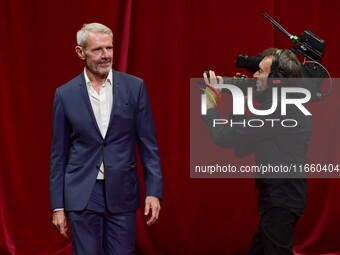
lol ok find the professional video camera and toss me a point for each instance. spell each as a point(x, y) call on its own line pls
point(309, 45)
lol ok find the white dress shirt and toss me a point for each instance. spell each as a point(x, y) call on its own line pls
point(101, 105)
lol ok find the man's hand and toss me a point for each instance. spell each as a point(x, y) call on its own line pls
point(212, 80)
point(60, 221)
point(240, 75)
point(152, 203)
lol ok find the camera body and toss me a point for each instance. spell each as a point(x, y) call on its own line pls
point(309, 45)
point(313, 73)
point(311, 70)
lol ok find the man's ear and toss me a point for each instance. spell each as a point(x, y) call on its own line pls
point(80, 52)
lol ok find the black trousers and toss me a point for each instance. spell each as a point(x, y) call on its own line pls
point(275, 233)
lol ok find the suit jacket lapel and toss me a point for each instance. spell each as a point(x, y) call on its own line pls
point(85, 95)
point(115, 96)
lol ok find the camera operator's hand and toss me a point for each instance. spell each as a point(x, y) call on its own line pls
point(240, 75)
point(212, 80)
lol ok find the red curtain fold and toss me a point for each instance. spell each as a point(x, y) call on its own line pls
point(125, 37)
point(166, 43)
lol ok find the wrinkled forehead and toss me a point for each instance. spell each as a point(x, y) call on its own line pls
point(94, 34)
point(95, 38)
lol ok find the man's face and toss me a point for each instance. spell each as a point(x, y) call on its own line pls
point(98, 53)
point(262, 73)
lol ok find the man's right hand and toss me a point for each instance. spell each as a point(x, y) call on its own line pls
point(60, 221)
point(212, 80)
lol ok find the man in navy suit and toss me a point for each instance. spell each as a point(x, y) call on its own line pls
point(98, 118)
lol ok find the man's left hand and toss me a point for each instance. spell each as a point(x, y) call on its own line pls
point(152, 203)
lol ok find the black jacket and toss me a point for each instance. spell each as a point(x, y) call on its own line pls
point(274, 145)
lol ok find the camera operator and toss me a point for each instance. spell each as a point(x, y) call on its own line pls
point(281, 197)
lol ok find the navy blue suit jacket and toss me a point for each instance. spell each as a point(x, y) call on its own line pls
point(78, 147)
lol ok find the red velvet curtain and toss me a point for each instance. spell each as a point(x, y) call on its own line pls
point(166, 43)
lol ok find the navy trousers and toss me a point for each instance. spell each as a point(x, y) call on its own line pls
point(96, 231)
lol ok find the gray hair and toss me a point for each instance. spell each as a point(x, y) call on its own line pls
point(288, 62)
point(83, 33)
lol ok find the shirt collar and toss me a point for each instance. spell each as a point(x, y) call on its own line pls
point(108, 79)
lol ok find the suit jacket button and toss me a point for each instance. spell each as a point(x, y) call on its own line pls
point(104, 144)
